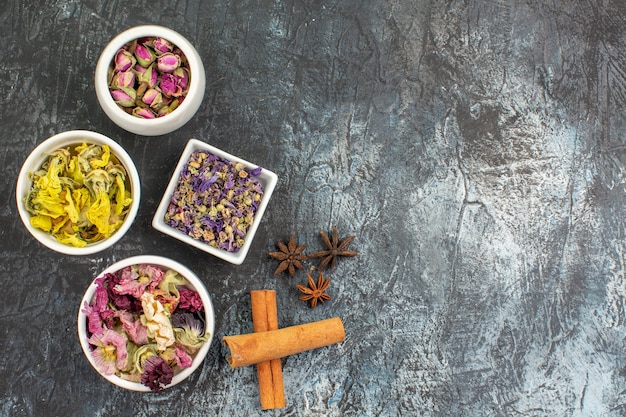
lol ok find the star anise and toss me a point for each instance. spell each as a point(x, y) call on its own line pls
point(290, 257)
point(334, 249)
point(315, 291)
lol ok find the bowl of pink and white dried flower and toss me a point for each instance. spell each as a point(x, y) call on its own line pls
point(146, 323)
point(150, 80)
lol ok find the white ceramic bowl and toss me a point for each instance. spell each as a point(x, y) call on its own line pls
point(165, 264)
point(34, 161)
point(159, 125)
point(267, 179)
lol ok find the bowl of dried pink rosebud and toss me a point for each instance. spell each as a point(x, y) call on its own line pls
point(150, 80)
point(146, 323)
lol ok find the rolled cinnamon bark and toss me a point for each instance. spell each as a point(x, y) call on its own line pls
point(270, 373)
point(252, 348)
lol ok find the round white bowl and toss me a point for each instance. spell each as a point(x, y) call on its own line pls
point(166, 264)
point(37, 157)
point(159, 125)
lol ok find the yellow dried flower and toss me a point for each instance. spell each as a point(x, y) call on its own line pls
point(79, 195)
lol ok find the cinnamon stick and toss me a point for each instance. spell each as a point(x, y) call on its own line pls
point(270, 373)
point(252, 348)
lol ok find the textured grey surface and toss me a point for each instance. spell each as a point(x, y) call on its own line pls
point(475, 148)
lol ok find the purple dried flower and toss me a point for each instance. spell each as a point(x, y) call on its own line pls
point(215, 201)
point(182, 357)
point(157, 373)
point(100, 297)
point(109, 351)
point(120, 301)
point(134, 280)
point(189, 300)
point(187, 320)
point(189, 330)
point(135, 330)
point(94, 323)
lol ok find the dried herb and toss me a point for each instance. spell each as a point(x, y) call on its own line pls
point(149, 77)
point(315, 291)
point(79, 195)
point(215, 200)
point(334, 248)
point(290, 257)
point(144, 324)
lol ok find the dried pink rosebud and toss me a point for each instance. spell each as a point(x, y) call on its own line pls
point(162, 46)
point(124, 96)
point(123, 60)
point(168, 62)
point(169, 85)
point(152, 97)
point(179, 52)
point(152, 80)
point(175, 103)
point(182, 75)
point(143, 112)
point(123, 79)
point(139, 69)
point(167, 100)
point(149, 76)
point(146, 40)
point(145, 56)
point(163, 111)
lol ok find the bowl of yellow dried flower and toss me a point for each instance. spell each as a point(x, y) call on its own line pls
point(150, 80)
point(78, 192)
point(146, 323)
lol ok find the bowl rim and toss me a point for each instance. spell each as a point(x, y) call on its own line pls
point(164, 262)
point(38, 155)
point(268, 178)
point(159, 125)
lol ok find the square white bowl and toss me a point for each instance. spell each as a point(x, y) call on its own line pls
point(267, 178)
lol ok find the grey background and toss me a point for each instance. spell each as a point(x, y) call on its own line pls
point(475, 148)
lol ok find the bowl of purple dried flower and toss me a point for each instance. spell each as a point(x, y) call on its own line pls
point(150, 80)
point(146, 323)
point(215, 201)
